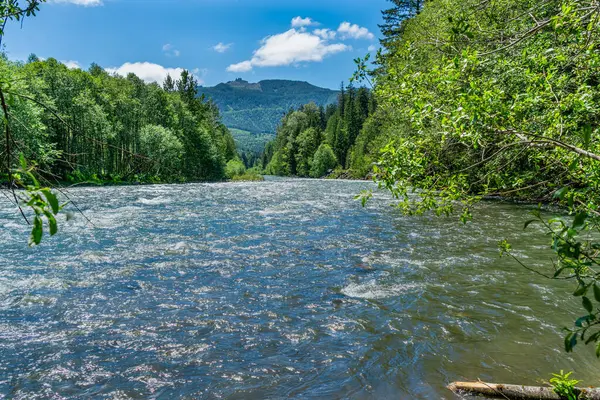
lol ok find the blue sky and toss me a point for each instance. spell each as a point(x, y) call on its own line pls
point(220, 40)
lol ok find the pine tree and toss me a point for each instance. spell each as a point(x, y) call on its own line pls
point(342, 99)
point(394, 18)
point(352, 122)
point(95, 70)
point(341, 144)
point(187, 86)
point(169, 84)
point(32, 58)
point(361, 105)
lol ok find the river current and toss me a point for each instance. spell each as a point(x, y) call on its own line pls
point(272, 290)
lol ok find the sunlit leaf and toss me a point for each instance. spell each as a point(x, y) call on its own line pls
point(587, 304)
point(37, 231)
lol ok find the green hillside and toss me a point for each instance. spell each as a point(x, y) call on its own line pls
point(247, 142)
point(259, 107)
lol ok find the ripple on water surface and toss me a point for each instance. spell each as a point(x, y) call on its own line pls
point(285, 288)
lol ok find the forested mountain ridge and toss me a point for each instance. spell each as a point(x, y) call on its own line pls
point(258, 107)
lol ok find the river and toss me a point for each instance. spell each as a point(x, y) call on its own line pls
point(276, 289)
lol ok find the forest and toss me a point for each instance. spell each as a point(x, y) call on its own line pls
point(90, 126)
point(314, 141)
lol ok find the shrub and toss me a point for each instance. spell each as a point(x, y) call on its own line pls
point(234, 168)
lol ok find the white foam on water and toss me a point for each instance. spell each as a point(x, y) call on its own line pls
point(154, 201)
point(373, 290)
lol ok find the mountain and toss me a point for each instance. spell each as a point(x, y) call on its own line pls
point(258, 107)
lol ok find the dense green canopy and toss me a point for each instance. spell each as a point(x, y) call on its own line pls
point(88, 125)
point(339, 126)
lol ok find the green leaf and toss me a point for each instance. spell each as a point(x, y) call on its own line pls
point(52, 200)
point(560, 193)
point(579, 322)
point(558, 272)
point(570, 341)
point(581, 290)
point(36, 184)
point(51, 223)
point(579, 220)
point(587, 304)
point(592, 338)
point(567, 341)
point(37, 231)
point(598, 350)
point(597, 292)
point(531, 221)
point(23, 162)
point(573, 341)
point(587, 135)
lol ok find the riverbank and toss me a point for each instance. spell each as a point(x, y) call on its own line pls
point(547, 203)
point(66, 184)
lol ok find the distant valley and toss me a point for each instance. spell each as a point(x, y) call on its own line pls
point(253, 110)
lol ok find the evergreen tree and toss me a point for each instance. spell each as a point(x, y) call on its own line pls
point(341, 144)
point(362, 105)
point(342, 100)
point(169, 84)
point(187, 87)
point(96, 70)
point(32, 58)
point(301, 133)
point(394, 17)
point(351, 122)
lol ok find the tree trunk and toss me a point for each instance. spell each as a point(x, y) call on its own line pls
point(511, 392)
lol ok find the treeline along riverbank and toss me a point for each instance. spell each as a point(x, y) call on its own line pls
point(92, 126)
point(312, 141)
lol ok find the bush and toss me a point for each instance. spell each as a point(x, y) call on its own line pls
point(248, 176)
point(234, 168)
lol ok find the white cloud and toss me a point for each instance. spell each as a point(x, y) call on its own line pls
point(85, 3)
point(300, 22)
point(244, 66)
point(222, 47)
point(71, 64)
point(291, 47)
point(372, 48)
point(170, 51)
point(326, 34)
point(353, 31)
point(149, 72)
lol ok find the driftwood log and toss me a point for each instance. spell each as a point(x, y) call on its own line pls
point(495, 390)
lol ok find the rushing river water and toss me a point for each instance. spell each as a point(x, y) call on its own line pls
point(278, 289)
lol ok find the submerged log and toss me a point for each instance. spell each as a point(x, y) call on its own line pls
point(519, 392)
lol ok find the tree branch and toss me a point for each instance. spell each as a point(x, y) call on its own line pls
point(555, 142)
